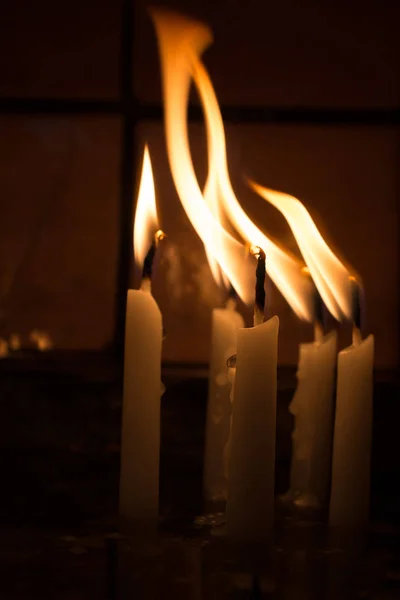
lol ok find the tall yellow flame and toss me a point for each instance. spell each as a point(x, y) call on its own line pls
point(146, 220)
point(181, 43)
point(211, 197)
point(330, 276)
point(179, 39)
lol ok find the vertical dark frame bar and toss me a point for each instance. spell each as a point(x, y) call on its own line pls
point(126, 173)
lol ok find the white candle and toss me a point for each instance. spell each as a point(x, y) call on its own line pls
point(140, 446)
point(350, 490)
point(313, 410)
point(250, 506)
point(225, 324)
point(140, 440)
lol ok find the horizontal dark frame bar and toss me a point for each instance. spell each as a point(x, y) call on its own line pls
point(258, 115)
point(40, 106)
point(231, 114)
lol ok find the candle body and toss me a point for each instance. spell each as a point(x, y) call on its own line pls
point(227, 451)
point(250, 506)
point(350, 490)
point(225, 323)
point(313, 410)
point(140, 445)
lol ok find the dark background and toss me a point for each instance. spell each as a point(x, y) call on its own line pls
point(311, 97)
point(331, 70)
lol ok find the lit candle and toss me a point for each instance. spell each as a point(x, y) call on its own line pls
point(140, 446)
point(225, 324)
point(250, 505)
point(352, 435)
point(350, 490)
point(313, 410)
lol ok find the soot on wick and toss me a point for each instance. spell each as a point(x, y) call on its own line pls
point(149, 259)
point(260, 285)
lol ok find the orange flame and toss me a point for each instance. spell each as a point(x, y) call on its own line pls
point(146, 219)
point(180, 40)
point(181, 43)
point(210, 194)
point(329, 275)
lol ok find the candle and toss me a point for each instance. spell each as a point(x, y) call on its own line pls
point(349, 502)
point(231, 364)
point(350, 489)
point(225, 324)
point(140, 445)
point(250, 505)
point(313, 409)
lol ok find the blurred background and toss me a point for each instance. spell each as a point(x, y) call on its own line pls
point(331, 68)
point(311, 98)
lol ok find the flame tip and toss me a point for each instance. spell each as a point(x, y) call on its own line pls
point(146, 218)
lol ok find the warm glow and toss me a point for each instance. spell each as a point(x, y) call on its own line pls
point(329, 275)
point(181, 43)
point(146, 220)
point(41, 339)
point(3, 348)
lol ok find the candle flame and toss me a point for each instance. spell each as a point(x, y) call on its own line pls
point(331, 277)
point(210, 194)
point(181, 42)
point(145, 228)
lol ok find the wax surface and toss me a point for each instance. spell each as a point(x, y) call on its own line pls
point(350, 490)
point(140, 447)
point(313, 410)
point(250, 506)
point(225, 324)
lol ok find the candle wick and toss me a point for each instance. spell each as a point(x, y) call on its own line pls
point(258, 317)
point(356, 304)
point(260, 285)
point(318, 332)
point(145, 285)
point(149, 260)
point(357, 339)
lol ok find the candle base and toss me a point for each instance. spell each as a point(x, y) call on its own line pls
point(211, 520)
point(303, 503)
point(138, 529)
point(307, 501)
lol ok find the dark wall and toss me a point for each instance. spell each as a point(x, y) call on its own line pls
point(59, 175)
